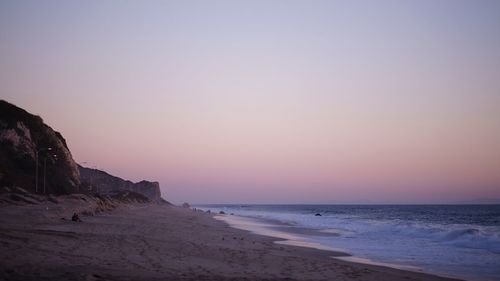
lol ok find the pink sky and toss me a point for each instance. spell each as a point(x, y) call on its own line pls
point(268, 102)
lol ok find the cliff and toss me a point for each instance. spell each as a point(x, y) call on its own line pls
point(31, 150)
point(105, 184)
point(23, 137)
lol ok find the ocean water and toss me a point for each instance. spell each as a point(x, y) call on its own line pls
point(451, 240)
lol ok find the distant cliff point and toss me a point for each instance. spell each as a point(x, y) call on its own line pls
point(106, 184)
point(36, 158)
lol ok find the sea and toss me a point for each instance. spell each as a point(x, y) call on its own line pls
point(461, 241)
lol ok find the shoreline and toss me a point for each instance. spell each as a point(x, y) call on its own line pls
point(456, 242)
point(159, 242)
point(276, 231)
point(284, 234)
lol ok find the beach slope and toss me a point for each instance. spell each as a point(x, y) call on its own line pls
point(156, 242)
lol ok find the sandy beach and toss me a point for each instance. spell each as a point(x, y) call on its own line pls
point(156, 242)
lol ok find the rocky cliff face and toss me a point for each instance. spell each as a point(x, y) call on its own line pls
point(23, 137)
point(105, 184)
point(26, 140)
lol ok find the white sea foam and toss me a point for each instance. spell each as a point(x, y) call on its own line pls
point(457, 249)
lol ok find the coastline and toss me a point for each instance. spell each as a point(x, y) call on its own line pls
point(285, 234)
point(451, 241)
point(159, 242)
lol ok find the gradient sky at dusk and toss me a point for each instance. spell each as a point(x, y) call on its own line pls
point(268, 101)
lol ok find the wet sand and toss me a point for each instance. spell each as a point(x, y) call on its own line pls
point(158, 242)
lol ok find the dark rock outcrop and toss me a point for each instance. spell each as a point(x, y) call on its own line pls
point(23, 136)
point(26, 140)
point(97, 181)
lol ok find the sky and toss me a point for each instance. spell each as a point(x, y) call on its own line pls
point(268, 101)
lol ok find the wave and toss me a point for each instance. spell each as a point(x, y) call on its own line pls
point(459, 233)
point(473, 238)
point(434, 240)
point(354, 226)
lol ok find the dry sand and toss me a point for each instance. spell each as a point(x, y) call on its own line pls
point(156, 242)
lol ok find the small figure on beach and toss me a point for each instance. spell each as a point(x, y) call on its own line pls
point(76, 218)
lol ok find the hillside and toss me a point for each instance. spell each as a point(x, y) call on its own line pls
point(36, 158)
point(23, 137)
point(103, 183)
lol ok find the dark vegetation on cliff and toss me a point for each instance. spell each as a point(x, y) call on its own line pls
point(22, 137)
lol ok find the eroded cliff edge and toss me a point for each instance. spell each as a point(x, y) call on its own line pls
point(103, 183)
point(27, 144)
point(23, 137)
